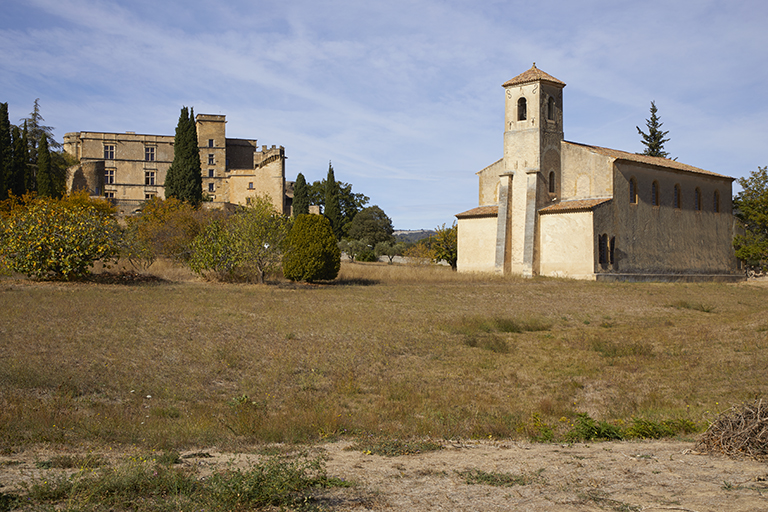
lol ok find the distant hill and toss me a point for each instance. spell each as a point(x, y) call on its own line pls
point(412, 235)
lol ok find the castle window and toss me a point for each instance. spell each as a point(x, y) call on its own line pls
point(210, 143)
point(522, 109)
point(211, 187)
point(210, 159)
point(109, 151)
point(149, 195)
point(552, 182)
point(697, 200)
point(149, 154)
point(250, 185)
point(551, 109)
point(677, 199)
point(149, 178)
point(210, 173)
point(632, 191)
point(109, 176)
point(655, 193)
point(109, 195)
point(716, 202)
point(611, 251)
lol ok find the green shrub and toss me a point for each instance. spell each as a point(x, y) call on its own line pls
point(60, 238)
point(246, 245)
point(586, 429)
point(312, 252)
point(395, 447)
point(367, 255)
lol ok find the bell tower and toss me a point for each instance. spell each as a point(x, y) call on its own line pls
point(533, 133)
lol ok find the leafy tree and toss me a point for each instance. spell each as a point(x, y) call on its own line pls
point(751, 208)
point(6, 152)
point(351, 203)
point(654, 140)
point(390, 249)
point(352, 248)
point(300, 196)
point(371, 225)
point(444, 245)
point(62, 238)
point(312, 252)
point(165, 228)
point(184, 180)
point(332, 203)
point(247, 244)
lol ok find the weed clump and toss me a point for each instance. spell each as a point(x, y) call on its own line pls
point(586, 429)
point(740, 431)
point(395, 447)
point(498, 479)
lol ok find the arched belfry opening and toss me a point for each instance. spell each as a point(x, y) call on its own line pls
point(522, 109)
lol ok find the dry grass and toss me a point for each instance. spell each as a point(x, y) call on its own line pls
point(383, 351)
point(740, 431)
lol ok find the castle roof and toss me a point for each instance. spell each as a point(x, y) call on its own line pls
point(533, 75)
point(645, 159)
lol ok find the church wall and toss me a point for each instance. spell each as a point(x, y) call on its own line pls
point(585, 174)
point(476, 239)
point(665, 239)
point(566, 247)
point(489, 183)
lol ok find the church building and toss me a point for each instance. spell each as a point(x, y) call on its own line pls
point(552, 207)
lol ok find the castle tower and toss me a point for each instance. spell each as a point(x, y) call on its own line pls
point(533, 132)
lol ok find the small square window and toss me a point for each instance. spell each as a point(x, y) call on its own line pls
point(109, 151)
point(211, 187)
point(250, 185)
point(149, 195)
point(210, 173)
point(149, 178)
point(210, 159)
point(210, 143)
point(109, 177)
point(149, 154)
point(109, 195)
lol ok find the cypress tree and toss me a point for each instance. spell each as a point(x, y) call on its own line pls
point(45, 185)
point(17, 182)
point(30, 179)
point(184, 180)
point(654, 140)
point(300, 196)
point(332, 203)
point(6, 152)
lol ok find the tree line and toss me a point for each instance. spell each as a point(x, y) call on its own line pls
point(31, 161)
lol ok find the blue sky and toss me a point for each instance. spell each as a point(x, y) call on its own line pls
point(404, 97)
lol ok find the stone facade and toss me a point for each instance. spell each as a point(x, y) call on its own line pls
point(557, 208)
point(129, 168)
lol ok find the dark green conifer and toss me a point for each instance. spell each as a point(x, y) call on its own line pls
point(654, 140)
point(45, 182)
point(333, 204)
point(6, 152)
point(184, 180)
point(17, 181)
point(300, 196)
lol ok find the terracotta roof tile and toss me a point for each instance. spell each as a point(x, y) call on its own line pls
point(532, 75)
point(645, 159)
point(574, 205)
point(480, 211)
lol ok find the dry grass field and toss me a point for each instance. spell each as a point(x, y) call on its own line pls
point(385, 352)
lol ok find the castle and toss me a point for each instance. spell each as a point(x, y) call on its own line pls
point(556, 208)
point(129, 168)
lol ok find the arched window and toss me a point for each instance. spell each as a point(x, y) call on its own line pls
point(633, 191)
point(522, 109)
point(716, 202)
point(551, 109)
point(602, 249)
point(678, 197)
point(655, 193)
point(552, 182)
point(611, 250)
point(697, 200)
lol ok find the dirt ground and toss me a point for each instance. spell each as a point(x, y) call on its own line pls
point(621, 476)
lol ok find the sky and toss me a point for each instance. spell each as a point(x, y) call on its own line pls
point(403, 97)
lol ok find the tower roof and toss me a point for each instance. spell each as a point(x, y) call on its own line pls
point(533, 75)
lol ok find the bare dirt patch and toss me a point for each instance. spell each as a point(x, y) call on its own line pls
point(621, 476)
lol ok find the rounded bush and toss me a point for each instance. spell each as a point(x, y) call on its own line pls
point(312, 252)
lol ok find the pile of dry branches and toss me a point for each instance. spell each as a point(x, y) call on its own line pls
point(741, 431)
